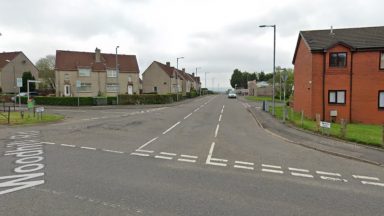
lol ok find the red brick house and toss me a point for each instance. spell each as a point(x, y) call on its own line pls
point(339, 74)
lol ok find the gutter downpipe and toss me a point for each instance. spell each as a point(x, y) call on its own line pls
point(323, 95)
point(350, 89)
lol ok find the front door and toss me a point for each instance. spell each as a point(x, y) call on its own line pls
point(67, 90)
point(130, 89)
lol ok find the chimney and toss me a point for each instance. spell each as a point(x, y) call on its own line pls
point(331, 32)
point(183, 69)
point(168, 64)
point(193, 74)
point(97, 55)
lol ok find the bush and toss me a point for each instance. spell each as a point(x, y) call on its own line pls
point(61, 101)
point(145, 99)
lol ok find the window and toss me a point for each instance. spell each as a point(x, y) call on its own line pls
point(382, 61)
point(336, 97)
point(84, 72)
point(85, 87)
point(112, 87)
point(155, 89)
point(338, 59)
point(111, 73)
point(381, 99)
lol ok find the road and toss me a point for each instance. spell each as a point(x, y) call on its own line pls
point(207, 156)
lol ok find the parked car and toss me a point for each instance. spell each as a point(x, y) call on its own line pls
point(232, 94)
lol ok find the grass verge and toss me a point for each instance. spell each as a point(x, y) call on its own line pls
point(15, 118)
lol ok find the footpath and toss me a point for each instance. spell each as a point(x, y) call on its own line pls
point(312, 140)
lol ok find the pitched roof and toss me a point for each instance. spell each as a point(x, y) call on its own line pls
point(72, 60)
point(7, 56)
point(169, 70)
point(365, 38)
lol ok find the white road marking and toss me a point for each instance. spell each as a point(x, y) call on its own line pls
point(169, 129)
point(328, 173)
point(140, 154)
point(272, 171)
point(167, 153)
point(221, 115)
point(201, 106)
point(333, 179)
point(186, 160)
point(217, 130)
point(244, 163)
point(209, 157)
point(95, 118)
point(217, 164)
point(297, 169)
point(163, 157)
point(366, 177)
point(89, 148)
point(301, 175)
point(48, 143)
point(67, 145)
point(146, 151)
point(188, 116)
point(197, 109)
point(147, 143)
point(243, 167)
point(112, 151)
point(271, 166)
point(373, 183)
point(219, 159)
point(189, 156)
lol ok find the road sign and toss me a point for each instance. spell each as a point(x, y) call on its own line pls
point(19, 82)
point(325, 124)
point(78, 83)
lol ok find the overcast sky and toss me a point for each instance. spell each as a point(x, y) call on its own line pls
point(215, 35)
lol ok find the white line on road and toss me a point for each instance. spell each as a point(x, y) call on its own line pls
point(189, 156)
point(217, 130)
point(167, 153)
point(208, 161)
point(297, 169)
point(163, 157)
point(140, 154)
point(301, 175)
point(271, 166)
point(328, 173)
point(244, 163)
point(67, 145)
point(48, 143)
point(272, 171)
point(147, 143)
point(89, 148)
point(243, 167)
point(221, 115)
point(366, 177)
point(169, 129)
point(333, 179)
point(188, 116)
point(186, 160)
point(112, 151)
point(373, 183)
point(197, 109)
point(219, 159)
point(211, 149)
point(146, 151)
point(217, 164)
point(95, 118)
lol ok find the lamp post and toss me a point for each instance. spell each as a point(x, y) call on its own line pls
point(117, 78)
point(284, 79)
point(274, 68)
point(177, 82)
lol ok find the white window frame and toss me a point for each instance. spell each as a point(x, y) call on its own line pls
point(112, 87)
point(381, 99)
point(381, 66)
point(85, 87)
point(84, 72)
point(337, 96)
point(111, 73)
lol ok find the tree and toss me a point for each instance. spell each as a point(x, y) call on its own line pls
point(46, 67)
point(236, 79)
point(28, 76)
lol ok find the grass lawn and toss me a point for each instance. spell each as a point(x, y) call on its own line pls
point(361, 133)
point(258, 98)
point(16, 119)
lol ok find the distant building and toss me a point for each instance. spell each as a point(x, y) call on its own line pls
point(97, 74)
point(12, 66)
point(252, 88)
point(339, 74)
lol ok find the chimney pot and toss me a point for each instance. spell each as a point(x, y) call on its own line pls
point(168, 64)
point(193, 74)
point(97, 55)
point(183, 69)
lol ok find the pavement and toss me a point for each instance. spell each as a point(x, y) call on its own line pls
point(311, 140)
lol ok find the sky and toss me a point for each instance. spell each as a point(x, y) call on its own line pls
point(214, 36)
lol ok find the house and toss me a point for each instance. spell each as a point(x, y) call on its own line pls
point(163, 79)
point(339, 74)
point(12, 66)
point(93, 74)
point(252, 88)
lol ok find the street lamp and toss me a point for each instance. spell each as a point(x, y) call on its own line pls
point(196, 69)
point(117, 78)
point(274, 68)
point(177, 82)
